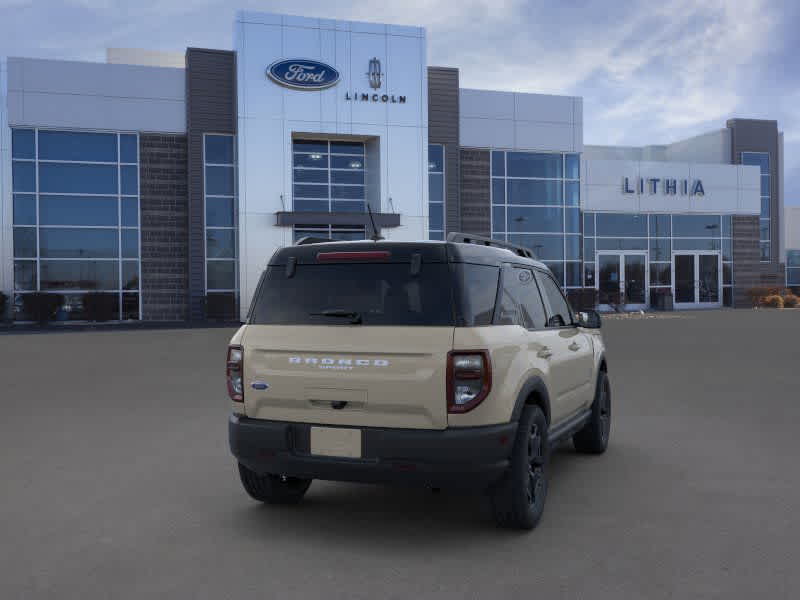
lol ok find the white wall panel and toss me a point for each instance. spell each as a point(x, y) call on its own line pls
point(486, 133)
point(486, 104)
point(363, 47)
point(541, 107)
point(540, 135)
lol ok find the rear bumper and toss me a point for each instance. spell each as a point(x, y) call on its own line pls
point(471, 457)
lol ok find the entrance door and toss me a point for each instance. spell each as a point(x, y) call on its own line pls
point(622, 280)
point(697, 279)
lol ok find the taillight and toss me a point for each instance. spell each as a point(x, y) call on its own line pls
point(234, 374)
point(469, 379)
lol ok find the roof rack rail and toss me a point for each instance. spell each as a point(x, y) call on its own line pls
point(468, 238)
point(310, 239)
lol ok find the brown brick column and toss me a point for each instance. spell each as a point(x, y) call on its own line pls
point(476, 203)
point(746, 254)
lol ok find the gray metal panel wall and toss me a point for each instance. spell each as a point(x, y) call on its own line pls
point(210, 108)
point(754, 135)
point(476, 203)
point(443, 113)
point(165, 226)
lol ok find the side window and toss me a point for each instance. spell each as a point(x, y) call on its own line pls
point(560, 315)
point(478, 292)
point(520, 302)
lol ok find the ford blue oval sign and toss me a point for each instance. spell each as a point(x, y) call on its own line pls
point(303, 74)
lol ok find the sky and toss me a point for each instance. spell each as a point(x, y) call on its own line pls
point(649, 72)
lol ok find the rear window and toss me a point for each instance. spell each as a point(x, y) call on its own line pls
point(341, 294)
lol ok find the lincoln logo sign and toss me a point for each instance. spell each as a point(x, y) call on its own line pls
point(667, 186)
point(301, 74)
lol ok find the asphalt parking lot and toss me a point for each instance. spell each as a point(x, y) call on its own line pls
point(117, 482)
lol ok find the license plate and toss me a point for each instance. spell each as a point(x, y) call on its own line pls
point(334, 441)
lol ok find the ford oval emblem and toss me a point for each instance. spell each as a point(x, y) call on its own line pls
point(303, 74)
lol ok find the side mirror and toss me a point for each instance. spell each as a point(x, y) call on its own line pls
point(590, 319)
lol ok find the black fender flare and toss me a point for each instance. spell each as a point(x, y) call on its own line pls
point(533, 385)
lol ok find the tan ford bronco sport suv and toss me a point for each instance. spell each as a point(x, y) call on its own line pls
point(455, 363)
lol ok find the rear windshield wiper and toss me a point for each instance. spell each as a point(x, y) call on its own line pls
point(355, 317)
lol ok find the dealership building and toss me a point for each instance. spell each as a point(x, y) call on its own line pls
point(168, 180)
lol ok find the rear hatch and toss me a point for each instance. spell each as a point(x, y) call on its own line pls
point(350, 340)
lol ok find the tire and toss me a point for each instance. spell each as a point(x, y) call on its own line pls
point(273, 489)
point(518, 501)
point(593, 438)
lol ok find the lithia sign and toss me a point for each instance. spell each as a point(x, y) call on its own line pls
point(306, 74)
point(669, 187)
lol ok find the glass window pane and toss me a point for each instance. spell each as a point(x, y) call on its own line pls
point(572, 189)
point(24, 209)
point(545, 247)
point(573, 166)
point(498, 163)
point(311, 205)
point(219, 181)
point(347, 148)
point(588, 274)
point(557, 268)
point(128, 148)
point(727, 226)
point(219, 149)
point(572, 220)
point(310, 191)
point(624, 225)
point(727, 249)
point(130, 212)
point(25, 242)
point(572, 245)
point(23, 176)
point(588, 249)
point(358, 177)
point(660, 226)
point(219, 212)
point(347, 192)
point(436, 187)
point(221, 274)
point(765, 251)
point(220, 243)
point(727, 297)
point(765, 185)
point(77, 179)
point(348, 206)
point(480, 283)
point(531, 164)
point(315, 160)
point(130, 307)
point(79, 275)
point(130, 274)
point(558, 304)
point(435, 158)
point(129, 180)
point(436, 235)
point(695, 244)
point(498, 218)
point(527, 191)
point(588, 224)
point(763, 229)
point(696, 225)
point(310, 146)
point(57, 242)
point(436, 216)
point(765, 208)
point(130, 243)
point(23, 143)
point(661, 274)
point(573, 274)
point(539, 220)
point(660, 249)
point(793, 258)
point(759, 159)
point(77, 210)
point(520, 301)
point(727, 273)
point(77, 145)
point(347, 235)
point(498, 191)
point(793, 277)
point(311, 175)
point(621, 243)
point(25, 275)
point(338, 162)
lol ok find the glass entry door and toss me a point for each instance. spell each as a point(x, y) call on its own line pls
point(622, 280)
point(697, 279)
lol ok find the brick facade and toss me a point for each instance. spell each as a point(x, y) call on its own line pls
point(746, 253)
point(476, 203)
point(164, 227)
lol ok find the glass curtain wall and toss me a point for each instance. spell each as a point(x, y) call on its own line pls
point(761, 160)
point(76, 220)
point(536, 204)
point(793, 268)
point(660, 235)
point(435, 191)
point(222, 280)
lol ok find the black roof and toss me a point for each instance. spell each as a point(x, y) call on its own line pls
point(401, 252)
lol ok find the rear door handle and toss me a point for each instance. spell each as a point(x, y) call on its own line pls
point(544, 352)
point(574, 346)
